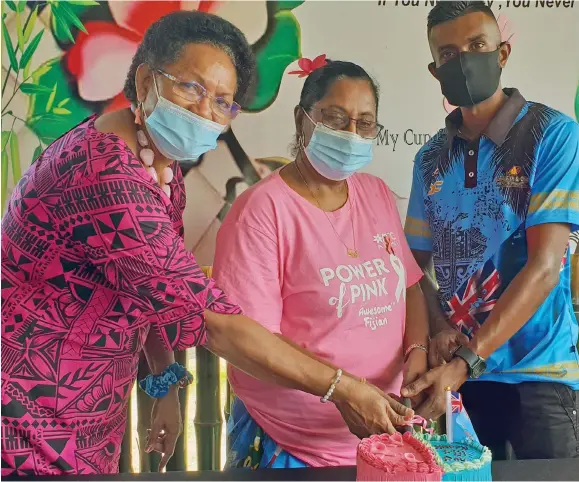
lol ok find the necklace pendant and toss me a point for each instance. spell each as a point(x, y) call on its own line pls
point(352, 253)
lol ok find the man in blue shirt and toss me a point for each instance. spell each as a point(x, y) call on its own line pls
point(494, 198)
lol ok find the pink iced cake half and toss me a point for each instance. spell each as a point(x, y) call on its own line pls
point(396, 457)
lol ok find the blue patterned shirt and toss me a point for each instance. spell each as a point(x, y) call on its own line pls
point(471, 204)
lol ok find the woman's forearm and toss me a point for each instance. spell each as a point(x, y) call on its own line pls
point(311, 355)
point(416, 330)
point(305, 352)
point(253, 349)
point(157, 357)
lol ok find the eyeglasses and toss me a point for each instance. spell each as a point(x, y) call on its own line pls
point(195, 92)
point(339, 121)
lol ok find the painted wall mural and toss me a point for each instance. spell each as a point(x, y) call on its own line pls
point(64, 60)
point(96, 42)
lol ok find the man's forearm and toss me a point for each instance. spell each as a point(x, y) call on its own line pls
point(157, 357)
point(515, 307)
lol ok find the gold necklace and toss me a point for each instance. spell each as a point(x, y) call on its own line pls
point(352, 253)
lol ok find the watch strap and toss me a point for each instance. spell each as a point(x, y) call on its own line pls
point(472, 360)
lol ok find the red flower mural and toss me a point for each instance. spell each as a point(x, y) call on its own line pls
point(99, 60)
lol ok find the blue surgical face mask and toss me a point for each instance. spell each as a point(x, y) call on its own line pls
point(336, 155)
point(179, 134)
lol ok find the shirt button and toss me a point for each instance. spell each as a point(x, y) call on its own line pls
point(471, 174)
point(471, 153)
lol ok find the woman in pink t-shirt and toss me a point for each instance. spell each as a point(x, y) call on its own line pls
point(317, 254)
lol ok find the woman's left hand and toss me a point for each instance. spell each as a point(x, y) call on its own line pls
point(166, 426)
point(414, 368)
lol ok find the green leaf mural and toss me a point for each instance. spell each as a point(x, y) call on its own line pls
point(9, 46)
point(5, 138)
point(70, 16)
point(83, 3)
point(65, 16)
point(19, 31)
point(283, 5)
point(275, 50)
point(20, 6)
point(30, 26)
point(33, 89)
point(15, 158)
point(29, 52)
point(52, 89)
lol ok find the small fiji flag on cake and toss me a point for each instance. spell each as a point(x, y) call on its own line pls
point(461, 425)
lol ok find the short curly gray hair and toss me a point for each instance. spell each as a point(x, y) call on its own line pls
point(164, 41)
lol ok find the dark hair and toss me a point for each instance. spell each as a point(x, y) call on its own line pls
point(165, 39)
point(320, 80)
point(444, 11)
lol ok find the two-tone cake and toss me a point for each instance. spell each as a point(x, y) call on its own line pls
point(396, 457)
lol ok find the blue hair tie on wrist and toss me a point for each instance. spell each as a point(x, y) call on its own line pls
point(157, 386)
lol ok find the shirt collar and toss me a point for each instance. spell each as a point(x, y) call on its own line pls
point(499, 126)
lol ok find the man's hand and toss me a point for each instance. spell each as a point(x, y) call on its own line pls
point(166, 426)
point(414, 368)
point(434, 384)
point(443, 345)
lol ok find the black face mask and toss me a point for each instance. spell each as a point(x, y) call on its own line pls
point(470, 78)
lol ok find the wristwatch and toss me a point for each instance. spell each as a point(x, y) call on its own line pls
point(476, 364)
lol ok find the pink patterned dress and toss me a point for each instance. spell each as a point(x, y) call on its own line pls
point(92, 257)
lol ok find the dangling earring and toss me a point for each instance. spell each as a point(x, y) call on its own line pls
point(138, 114)
point(301, 142)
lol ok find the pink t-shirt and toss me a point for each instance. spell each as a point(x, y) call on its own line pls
point(278, 257)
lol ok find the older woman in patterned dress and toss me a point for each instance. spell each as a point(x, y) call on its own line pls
point(93, 258)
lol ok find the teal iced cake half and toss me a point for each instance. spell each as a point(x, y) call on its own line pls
point(465, 460)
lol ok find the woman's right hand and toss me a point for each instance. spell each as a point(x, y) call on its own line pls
point(367, 410)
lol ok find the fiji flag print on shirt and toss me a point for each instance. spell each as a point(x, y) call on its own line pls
point(473, 302)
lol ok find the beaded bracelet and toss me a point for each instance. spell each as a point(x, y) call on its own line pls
point(335, 381)
point(419, 346)
point(157, 386)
